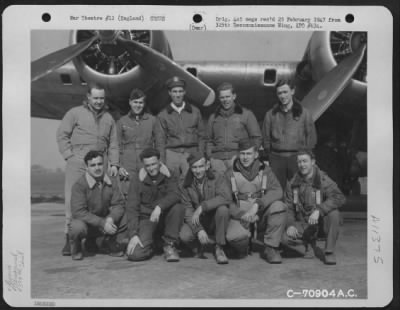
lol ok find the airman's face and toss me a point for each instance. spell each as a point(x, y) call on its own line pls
point(137, 105)
point(247, 157)
point(199, 168)
point(177, 94)
point(96, 99)
point(305, 164)
point(285, 94)
point(95, 167)
point(227, 99)
point(152, 165)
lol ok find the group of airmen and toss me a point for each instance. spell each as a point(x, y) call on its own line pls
point(146, 183)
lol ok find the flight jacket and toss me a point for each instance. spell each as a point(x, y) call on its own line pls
point(81, 131)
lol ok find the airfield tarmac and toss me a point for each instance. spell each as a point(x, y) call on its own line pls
point(58, 277)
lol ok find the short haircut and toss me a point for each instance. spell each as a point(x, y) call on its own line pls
point(282, 82)
point(94, 86)
point(149, 152)
point(92, 155)
point(137, 94)
point(226, 86)
point(308, 152)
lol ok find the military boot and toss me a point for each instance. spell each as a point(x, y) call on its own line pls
point(170, 252)
point(66, 251)
point(220, 256)
point(76, 249)
point(330, 259)
point(272, 255)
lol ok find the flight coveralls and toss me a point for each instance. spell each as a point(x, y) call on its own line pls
point(265, 190)
point(143, 196)
point(224, 131)
point(92, 203)
point(214, 197)
point(181, 133)
point(303, 196)
point(136, 133)
point(284, 134)
point(81, 130)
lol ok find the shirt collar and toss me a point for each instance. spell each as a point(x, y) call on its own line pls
point(163, 171)
point(92, 181)
point(97, 115)
point(144, 115)
point(178, 109)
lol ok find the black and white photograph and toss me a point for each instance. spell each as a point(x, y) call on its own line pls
point(225, 159)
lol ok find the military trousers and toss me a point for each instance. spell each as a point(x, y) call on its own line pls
point(270, 226)
point(329, 223)
point(214, 222)
point(79, 230)
point(221, 165)
point(169, 225)
point(284, 167)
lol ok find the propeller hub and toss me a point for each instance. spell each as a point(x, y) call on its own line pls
point(108, 36)
point(106, 55)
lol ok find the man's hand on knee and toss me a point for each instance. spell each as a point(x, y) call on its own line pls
point(155, 215)
point(292, 232)
point(313, 219)
point(135, 240)
point(203, 237)
point(196, 215)
point(109, 227)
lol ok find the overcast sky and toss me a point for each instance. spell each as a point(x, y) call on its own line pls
point(223, 46)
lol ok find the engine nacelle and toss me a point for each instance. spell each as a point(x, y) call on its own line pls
point(108, 64)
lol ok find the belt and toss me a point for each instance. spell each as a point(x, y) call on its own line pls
point(134, 145)
point(80, 147)
point(181, 149)
point(284, 151)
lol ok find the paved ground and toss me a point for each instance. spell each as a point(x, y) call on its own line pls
point(102, 276)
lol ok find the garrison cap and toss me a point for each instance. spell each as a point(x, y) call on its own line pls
point(308, 152)
point(196, 156)
point(245, 144)
point(149, 152)
point(175, 82)
point(136, 94)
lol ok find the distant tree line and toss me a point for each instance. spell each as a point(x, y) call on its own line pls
point(36, 168)
point(47, 185)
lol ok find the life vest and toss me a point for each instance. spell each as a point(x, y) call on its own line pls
point(316, 197)
point(246, 191)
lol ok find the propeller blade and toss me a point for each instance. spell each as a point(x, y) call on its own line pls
point(164, 68)
point(331, 85)
point(48, 63)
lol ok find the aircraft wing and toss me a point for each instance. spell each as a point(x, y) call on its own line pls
point(57, 92)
